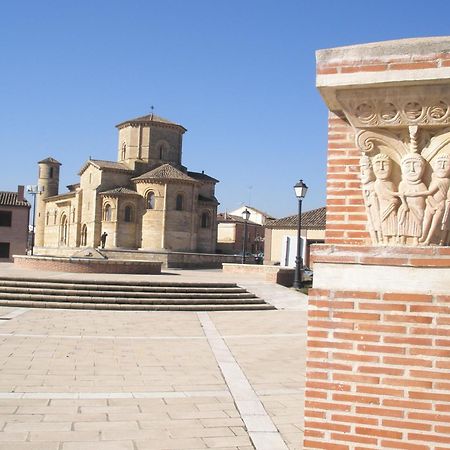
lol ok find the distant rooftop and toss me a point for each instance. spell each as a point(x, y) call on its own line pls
point(312, 220)
point(11, 199)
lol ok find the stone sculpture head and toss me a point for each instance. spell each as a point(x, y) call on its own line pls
point(365, 165)
point(441, 166)
point(382, 166)
point(413, 166)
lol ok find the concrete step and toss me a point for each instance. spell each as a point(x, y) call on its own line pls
point(127, 307)
point(127, 300)
point(91, 284)
point(141, 296)
point(185, 293)
point(32, 284)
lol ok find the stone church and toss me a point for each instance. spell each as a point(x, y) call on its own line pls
point(146, 200)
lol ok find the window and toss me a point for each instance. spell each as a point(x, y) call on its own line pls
point(107, 213)
point(5, 218)
point(47, 218)
point(73, 215)
point(54, 217)
point(206, 222)
point(179, 203)
point(50, 172)
point(64, 229)
point(124, 150)
point(161, 152)
point(151, 200)
point(84, 235)
point(128, 214)
point(4, 249)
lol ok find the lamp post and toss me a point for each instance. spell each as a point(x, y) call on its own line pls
point(245, 216)
point(300, 191)
point(33, 190)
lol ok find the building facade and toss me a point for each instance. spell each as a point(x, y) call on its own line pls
point(281, 237)
point(146, 200)
point(14, 221)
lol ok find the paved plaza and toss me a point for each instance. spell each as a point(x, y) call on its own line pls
point(79, 379)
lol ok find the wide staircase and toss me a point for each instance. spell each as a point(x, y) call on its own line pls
point(135, 296)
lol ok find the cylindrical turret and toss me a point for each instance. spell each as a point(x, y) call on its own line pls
point(48, 186)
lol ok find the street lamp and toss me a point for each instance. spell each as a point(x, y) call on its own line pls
point(245, 215)
point(33, 190)
point(300, 191)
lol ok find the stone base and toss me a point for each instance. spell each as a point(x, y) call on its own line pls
point(378, 348)
point(180, 260)
point(273, 274)
point(86, 265)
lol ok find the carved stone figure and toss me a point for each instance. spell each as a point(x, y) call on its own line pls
point(370, 199)
point(387, 196)
point(437, 194)
point(413, 193)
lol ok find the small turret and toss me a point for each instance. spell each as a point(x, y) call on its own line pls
point(48, 186)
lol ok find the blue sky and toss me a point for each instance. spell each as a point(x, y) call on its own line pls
point(238, 74)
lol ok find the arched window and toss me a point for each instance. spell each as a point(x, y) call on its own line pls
point(124, 150)
point(179, 203)
point(47, 219)
point(128, 214)
point(73, 214)
point(55, 214)
point(50, 172)
point(161, 151)
point(84, 235)
point(63, 232)
point(206, 221)
point(151, 200)
point(107, 215)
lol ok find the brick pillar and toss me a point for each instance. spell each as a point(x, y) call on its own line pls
point(378, 360)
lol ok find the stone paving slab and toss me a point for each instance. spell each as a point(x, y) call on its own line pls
point(73, 379)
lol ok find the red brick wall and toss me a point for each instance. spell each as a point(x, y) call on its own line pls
point(346, 217)
point(378, 363)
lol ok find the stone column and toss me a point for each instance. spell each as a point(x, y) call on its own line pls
point(379, 312)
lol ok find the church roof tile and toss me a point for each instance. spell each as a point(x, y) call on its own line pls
point(119, 191)
point(149, 118)
point(165, 172)
point(105, 165)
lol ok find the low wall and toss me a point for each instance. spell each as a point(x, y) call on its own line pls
point(273, 274)
point(181, 260)
point(86, 265)
point(378, 366)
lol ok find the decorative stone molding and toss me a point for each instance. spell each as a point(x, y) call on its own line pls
point(404, 136)
point(396, 107)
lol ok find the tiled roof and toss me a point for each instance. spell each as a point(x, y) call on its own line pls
point(314, 219)
point(264, 214)
point(49, 160)
point(60, 196)
point(202, 176)
point(148, 119)
point(119, 191)
point(73, 187)
point(10, 199)
point(225, 217)
point(202, 198)
point(106, 165)
point(165, 172)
